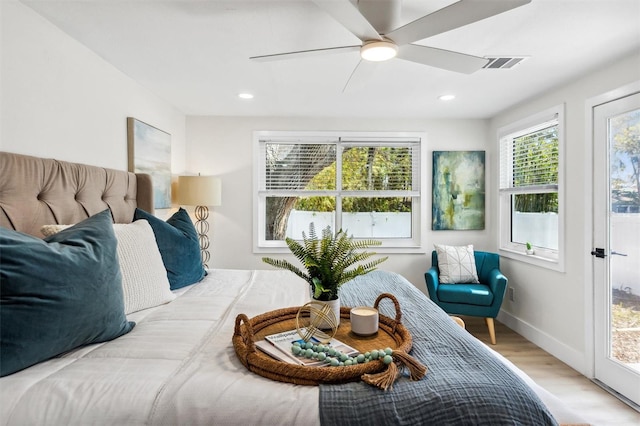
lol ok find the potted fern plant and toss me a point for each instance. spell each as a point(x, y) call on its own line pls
point(326, 260)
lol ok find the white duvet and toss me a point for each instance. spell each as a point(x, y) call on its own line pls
point(178, 367)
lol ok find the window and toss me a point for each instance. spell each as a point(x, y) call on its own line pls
point(368, 184)
point(531, 189)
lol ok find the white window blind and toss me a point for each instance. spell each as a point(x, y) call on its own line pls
point(290, 166)
point(529, 159)
point(396, 166)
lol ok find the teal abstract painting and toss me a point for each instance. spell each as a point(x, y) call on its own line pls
point(458, 190)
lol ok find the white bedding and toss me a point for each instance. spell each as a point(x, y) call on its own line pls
point(178, 367)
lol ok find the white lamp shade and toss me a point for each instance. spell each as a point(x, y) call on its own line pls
point(199, 191)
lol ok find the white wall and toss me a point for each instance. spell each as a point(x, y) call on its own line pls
point(61, 100)
point(223, 146)
point(550, 307)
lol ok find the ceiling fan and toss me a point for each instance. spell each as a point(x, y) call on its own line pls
point(370, 21)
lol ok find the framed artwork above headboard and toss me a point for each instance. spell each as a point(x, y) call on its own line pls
point(149, 151)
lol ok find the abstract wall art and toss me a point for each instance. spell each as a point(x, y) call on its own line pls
point(458, 190)
point(149, 151)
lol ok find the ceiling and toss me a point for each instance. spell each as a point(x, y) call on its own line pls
point(195, 54)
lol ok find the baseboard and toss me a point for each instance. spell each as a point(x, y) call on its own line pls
point(573, 358)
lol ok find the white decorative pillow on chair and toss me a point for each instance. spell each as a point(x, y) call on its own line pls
point(457, 264)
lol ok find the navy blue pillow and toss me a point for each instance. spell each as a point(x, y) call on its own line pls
point(179, 246)
point(59, 293)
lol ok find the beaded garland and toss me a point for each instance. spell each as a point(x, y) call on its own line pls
point(335, 358)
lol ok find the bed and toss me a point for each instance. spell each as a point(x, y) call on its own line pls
point(176, 365)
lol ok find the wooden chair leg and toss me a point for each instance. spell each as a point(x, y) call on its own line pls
point(492, 330)
point(458, 321)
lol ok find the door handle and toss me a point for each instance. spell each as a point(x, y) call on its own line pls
point(615, 253)
point(598, 252)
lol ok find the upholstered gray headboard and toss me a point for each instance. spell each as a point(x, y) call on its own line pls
point(40, 191)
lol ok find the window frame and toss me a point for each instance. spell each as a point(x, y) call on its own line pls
point(547, 258)
point(389, 245)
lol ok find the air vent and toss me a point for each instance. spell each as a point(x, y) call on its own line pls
point(504, 62)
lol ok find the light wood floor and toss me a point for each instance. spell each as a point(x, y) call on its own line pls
point(579, 393)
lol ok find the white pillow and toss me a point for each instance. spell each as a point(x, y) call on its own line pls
point(144, 277)
point(457, 264)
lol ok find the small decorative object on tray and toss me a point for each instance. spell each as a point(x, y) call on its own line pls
point(387, 350)
point(364, 320)
point(316, 319)
point(290, 346)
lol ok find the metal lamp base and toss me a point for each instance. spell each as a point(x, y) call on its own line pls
point(202, 226)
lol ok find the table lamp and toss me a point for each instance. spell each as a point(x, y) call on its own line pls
point(202, 192)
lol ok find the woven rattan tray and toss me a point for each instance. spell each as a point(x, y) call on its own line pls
point(391, 334)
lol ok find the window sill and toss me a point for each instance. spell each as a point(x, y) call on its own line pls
point(533, 259)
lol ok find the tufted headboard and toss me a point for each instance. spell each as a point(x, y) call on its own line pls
point(39, 191)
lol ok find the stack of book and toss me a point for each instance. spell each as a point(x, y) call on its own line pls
point(278, 346)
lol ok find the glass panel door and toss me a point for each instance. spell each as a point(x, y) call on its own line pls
point(616, 253)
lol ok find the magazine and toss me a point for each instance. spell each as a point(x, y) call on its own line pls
point(271, 350)
point(282, 343)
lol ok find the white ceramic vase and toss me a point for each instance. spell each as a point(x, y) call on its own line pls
point(334, 305)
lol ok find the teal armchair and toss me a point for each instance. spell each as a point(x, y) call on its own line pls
point(479, 300)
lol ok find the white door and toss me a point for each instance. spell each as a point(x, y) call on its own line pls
point(616, 244)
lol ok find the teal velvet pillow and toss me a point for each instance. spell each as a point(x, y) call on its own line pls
point(59, 293)
point(179, 246)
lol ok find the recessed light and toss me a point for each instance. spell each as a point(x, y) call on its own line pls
point(447, 97)
point(245, 96)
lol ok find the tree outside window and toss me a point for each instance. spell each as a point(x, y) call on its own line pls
point(625, 163)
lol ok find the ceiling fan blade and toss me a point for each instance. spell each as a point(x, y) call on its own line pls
point(305, 53)
point(385, 16)
point(350, 17)
point(439, 58)
point(361, 74)
point(453, 16)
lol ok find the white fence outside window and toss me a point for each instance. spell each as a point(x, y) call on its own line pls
point(361, 225)
point(625, 229)
point(540, 229)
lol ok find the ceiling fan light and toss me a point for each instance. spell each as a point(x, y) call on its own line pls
point(377, 51)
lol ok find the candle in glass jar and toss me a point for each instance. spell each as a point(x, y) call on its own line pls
point(364, 320)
